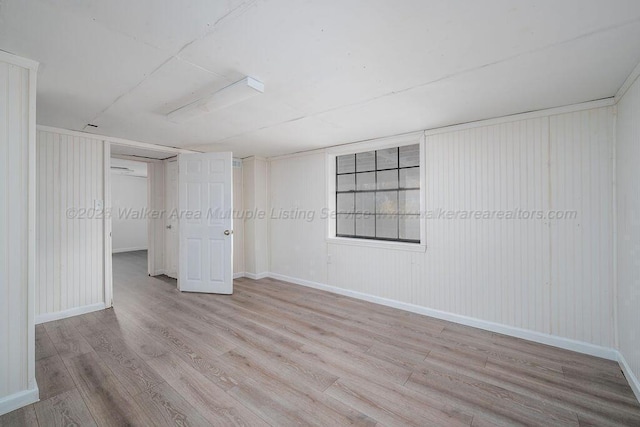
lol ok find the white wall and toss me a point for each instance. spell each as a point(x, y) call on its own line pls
point(628, 228)
point(551, 277)
point(128, 193)
point(581, 251)
point(298, 247)
point(156, 225)
point(17, 145)
point(255, 178)
point(70, 236)
point(238, 223)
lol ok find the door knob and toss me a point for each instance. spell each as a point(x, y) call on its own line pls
point(227, 232)
point(169, 226)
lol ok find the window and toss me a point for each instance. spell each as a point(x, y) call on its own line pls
point(378, 194)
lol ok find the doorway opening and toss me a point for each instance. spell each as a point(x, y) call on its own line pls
point(142, 190)
point(188, 217)
point(129, 218)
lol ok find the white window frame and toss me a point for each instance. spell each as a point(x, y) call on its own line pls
point(378, 144)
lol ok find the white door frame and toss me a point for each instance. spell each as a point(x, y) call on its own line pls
point(108, 267)
point(108, 194)
point(173, 222)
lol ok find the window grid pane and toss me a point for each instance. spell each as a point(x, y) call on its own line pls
point(345, 203)
point(386, 202)
point(345, 225)
point(347, 182)
point(366, 161)
point(387, 180)
point(409, 202)
point(387, 226)
point(365, 225)
point(410, 178)
point(365, 181)
point(409, 155)
point(366, 203)
point(409, 227)
point(346, 164)
point(387, 159)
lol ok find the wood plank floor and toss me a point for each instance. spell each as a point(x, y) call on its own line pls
point(280, 354)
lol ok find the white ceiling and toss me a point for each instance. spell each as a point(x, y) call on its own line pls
point(334, 71)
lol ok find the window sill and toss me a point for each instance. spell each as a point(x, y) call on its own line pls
point(401, 246)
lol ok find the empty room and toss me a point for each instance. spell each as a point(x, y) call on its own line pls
point(306, 212)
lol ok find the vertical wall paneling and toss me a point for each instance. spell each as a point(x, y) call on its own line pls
point(303, 177)
point(581, 180)
point(72, 263)
point(261, 236)
point(524, 270)
point(97, 256)
point(156, 226)
point(31, 237)
point(17, 231)
point(107, 291)
point(238, 220)
point(628, 232)
point(248, 203)
point(256, 232)
point(487, 268)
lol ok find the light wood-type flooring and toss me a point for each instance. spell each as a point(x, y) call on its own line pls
point(279, 354)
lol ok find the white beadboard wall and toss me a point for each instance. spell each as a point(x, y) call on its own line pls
point(255, 179)
point(248, 202)
point(17, 124)
point(491, 269)
point(551, 277)
point(156, 226)
point(298, 246)
point(70, 271)
point(581, 251)
point(628, 229)
point(238, 223)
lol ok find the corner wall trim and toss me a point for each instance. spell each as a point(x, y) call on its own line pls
point(135, 248)
point(629, 81)
point(552, 340)
point(115, 140)
point(258, 276)
point(49, 317)
point(18, 400)
point(629, 375)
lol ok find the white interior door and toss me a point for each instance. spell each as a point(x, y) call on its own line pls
point(171, 220)
point(205, 223)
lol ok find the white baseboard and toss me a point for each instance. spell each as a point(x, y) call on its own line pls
point(238, 275)
point(257, 276)
point(157, 272)
point(18, 400)
point(553, 340)
point(629, 375)
point(137, 248)
point(49, 317)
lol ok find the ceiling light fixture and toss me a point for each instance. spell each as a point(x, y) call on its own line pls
point(230, 95)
